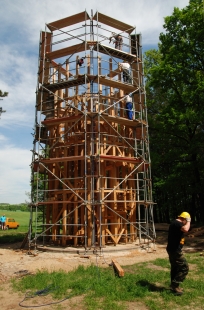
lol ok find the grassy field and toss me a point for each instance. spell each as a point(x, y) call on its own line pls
point(100, 288)
point(15, 235)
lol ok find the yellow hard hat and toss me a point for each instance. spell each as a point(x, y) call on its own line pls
point(185, 215)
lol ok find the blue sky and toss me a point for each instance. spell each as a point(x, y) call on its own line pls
point(21, 23)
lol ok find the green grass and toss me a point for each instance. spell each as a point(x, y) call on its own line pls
point(147, 283)
point(15, 235)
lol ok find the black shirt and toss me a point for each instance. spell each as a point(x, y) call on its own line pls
point(175, 237)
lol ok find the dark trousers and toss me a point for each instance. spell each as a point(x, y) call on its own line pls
point(125, 75)
point(179, 268)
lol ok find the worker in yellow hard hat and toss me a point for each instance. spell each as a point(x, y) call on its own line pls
point(179, 265)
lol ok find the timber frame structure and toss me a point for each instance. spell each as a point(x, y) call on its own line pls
point(91, 171)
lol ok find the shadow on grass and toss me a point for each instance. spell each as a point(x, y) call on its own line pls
point(8, 238)
point(151, 286)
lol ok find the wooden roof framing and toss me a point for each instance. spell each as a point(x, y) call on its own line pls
point(109, 21)
point(68, 21)
point(81, 17)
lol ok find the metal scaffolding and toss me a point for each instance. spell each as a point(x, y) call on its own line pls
point(91, 170)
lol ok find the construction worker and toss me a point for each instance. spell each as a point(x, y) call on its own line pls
point(118, 41)
point(125, 68)
point(179, 265)
point(80, 61)
point(128, 106)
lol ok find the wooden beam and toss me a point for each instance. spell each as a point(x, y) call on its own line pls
point(120, 232)
point(68, 21)
point(66, 51)
point(113, 22)
point(60, 68)
point(111, 51)
point(118, 268)
point(108, 231)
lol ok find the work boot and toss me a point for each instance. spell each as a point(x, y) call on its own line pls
point(176, 290)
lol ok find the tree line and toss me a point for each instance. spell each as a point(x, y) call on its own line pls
point(175, 100)
point(16, 207)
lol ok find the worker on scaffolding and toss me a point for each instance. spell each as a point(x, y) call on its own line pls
point(125, 68)
point(117, 40)
point(80, 61)
point(128, 106)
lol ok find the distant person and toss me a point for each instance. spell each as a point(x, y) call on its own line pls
point(117, 40)
point(179, 265)
point(3, 222)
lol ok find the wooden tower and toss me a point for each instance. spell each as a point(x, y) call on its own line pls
point(91, 182)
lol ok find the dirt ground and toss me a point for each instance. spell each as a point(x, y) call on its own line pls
point(17, 263)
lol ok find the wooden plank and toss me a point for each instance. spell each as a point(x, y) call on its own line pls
point(61, 159)
point(124, 121)
point(68, 21)
point(111, 51)
point(114, 73)
point(120, 235)
point(113, 22)
point(108, 231)
point(45, 48)
point(118, 268)
point(65, 119)
point(116, 84)
point(120, 158)
point(60, 68)
point(66, 51)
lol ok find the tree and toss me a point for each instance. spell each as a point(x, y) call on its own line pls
point(175, 93)
point(3, 94)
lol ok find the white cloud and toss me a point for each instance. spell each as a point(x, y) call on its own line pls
point(2, 138)
point(15, 174)
point(18, 76)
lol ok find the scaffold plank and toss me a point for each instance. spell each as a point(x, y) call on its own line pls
point(66, 51)
point(116, 84)
point(114, 52)
point(113, 22)
point(61, 159)
point(68, 21)
point(53, 121)
point(121, 159)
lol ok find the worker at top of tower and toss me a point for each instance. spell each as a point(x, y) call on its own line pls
point(117, 40)
point(125, 68)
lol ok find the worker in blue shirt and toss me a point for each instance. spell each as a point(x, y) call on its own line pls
point(3, 222)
